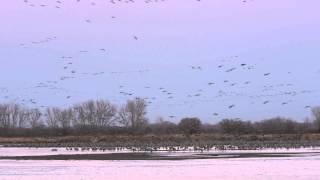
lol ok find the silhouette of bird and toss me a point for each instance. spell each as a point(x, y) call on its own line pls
point(230, 70)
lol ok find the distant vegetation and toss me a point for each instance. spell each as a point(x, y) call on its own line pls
point(103, 118)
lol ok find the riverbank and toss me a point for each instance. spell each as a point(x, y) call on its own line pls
point(170, 142)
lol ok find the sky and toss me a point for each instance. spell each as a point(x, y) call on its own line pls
point(212, 59)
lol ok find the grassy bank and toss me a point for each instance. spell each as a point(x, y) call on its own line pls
point(201, 140)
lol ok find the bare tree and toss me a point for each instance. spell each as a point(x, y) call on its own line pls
point(10, 115)
point(34, 118)
point(99, 113)
point(105, 113)
point(14, 110)
point(23, 118)
point(52, 117)
point(79, 118)
point(316, 114)
point(89, 111)
point(4, 116)
point(64, 118)
point(133, 114)
point(59, 118)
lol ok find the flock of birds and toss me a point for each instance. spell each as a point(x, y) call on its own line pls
point(59, 3)
point(226, 66)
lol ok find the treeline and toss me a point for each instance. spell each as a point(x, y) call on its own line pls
point(89, 117)
point(102, 117)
